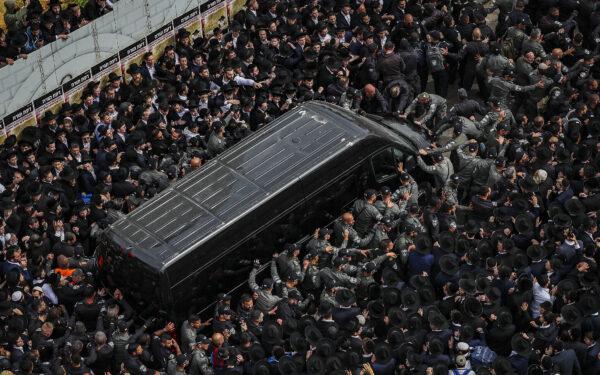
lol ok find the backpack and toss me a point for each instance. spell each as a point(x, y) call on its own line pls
point(435, 59)
point(482, 355)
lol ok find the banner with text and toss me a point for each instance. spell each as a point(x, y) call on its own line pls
point(52, 102)
point(233, 7)
point(191, 22)
point(160, 39)
point(132, 54)
point(74, 88)
point(214, 14)
point(19, 119)
point(101, 71)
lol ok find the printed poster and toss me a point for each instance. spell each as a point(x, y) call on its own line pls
point(101, 71)
point(191, 22)
point(214, 14)
point(233, 7)
point(2, 131)
point(160, 39)
point(73, 89)
point(52, 101)
point(19, 119)
point(132, 54)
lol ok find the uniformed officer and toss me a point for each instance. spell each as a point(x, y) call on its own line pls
point(366, 213)
point(408, 191)
point(502, 87)
point(200, 362)
point(441, 170)
point(427, 110)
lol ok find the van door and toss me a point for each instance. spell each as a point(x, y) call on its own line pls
point(384, 166)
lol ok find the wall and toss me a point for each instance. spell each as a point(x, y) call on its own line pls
point(47, 69)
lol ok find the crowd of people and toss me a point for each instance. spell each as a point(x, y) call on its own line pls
point(487, 266)
point(30, 25)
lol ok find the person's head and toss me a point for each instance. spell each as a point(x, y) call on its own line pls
point(369, 91)
point(247, 302)
point(424, 98)
point(194, 321)
point(218, 340)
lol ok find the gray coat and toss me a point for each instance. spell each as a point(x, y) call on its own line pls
point(440, 171)
point(266, 300)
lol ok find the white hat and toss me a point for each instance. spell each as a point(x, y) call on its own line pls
point(462, 346)
point(361, 320)
point(17, 296)
point(38, 288)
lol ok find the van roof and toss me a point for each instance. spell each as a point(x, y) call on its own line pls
point(232, 184)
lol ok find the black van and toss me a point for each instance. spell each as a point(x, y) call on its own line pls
point(200, 236)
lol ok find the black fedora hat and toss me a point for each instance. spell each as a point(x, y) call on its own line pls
point(298, 342)
point(566, 286)
point(592, 184)
point(390, 296)
point(472, 307)
point(447, 242)
point(589, 304)
point(345, 297)
point(482, 283)
point(374, 291)
point(449, 264)
point(312, 334)
point(520, 205)
point(562, 220)
point(571, 314)
point(334, 364)
point(395, 337)
point(325, 347)
point(287, 366)
point(536, 252)
point(272, 334)
point(468, 285)
point(376, 309)
point(523, 223)
point(574, 207)
point(396, 315)
point(410, 299)
point(437, 319)
point(419, 281)
point(528, 184)
point(382, 352)
point(554, 209)
point(423, 244)
point(504, 318)
point(524, 283)
point(485, 248)
point(133, 69)
point(257, 352)
point(316, 364)
point(427, 295)
point(262, 367)
point(520, 345)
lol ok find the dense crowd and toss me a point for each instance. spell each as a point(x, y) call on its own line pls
point(30, 25)
point(487, 266)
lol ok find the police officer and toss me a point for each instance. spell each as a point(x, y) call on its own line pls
point(200, 362)
point(502, 87)
point(428, 110)
point(441, 170)
point(366, 213)
point(408, 190)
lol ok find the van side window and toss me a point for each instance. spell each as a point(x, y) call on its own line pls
point(385, 164)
